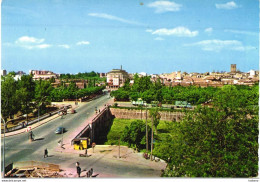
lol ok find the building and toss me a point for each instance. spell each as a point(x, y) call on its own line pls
point(116, 78)
point(252, 73)
point(18, 75)
point(102, 75)
point(233, 68)
point(42, 74)
point(3, 73)
point(179, 76)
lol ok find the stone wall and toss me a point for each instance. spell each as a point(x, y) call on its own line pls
point(138, 114)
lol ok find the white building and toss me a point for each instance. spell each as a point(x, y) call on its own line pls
point(116, 78)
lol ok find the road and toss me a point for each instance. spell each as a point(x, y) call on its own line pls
point(18, 147)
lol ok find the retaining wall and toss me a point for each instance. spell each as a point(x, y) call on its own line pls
point(138, 114)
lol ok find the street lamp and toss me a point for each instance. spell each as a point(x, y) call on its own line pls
point(5, 124)
point(62, 113)
point(62, 131)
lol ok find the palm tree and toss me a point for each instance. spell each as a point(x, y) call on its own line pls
point(155, 117)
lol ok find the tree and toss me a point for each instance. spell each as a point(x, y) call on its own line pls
point(155, 115)
point(216, 142)
point(26, 88)
point(9, 99)
point(42, 93)
point(52, 80)
point(126, 85)
point(135, 134)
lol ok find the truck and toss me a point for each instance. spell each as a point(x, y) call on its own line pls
point(139, 102)
point(182, 104)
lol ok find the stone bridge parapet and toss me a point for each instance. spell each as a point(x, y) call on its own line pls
point(141, 114)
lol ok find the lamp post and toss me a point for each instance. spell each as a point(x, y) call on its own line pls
point(61, 133)
point(5, 124)
point(62, 113)
point(152, 140)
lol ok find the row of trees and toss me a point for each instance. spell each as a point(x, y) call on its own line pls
point(72, 92)
point(23, 95)
point(26, 95)
point(79, 75)
point(149, 91)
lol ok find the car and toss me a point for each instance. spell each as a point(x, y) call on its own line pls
point(60, 130)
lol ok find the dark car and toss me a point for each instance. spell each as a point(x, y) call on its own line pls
point(60, 130)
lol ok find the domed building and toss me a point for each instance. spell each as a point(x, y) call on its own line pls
point(116, 78)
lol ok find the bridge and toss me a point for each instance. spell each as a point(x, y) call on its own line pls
point(94, 131)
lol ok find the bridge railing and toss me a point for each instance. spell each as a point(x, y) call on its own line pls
point(88, 126)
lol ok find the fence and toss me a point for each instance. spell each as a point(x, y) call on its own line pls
point(34, 121)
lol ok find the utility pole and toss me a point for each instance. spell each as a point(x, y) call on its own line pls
point(152, 141)
point(5, 126)
point(4, 150)
point(146, 131)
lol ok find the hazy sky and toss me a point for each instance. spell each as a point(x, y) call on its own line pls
point(71, 36)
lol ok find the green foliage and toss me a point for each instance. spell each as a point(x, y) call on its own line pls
point(72, 92)
point(9, 98)
point(85, 75)
point(115, 104)
point(150, 91)
point(210, 145)
point(12, 73)
point(135, 134)
point(155, 115)
point(215, 142)
point(210, 142)
point(117, 130)
point(120, 94)
point(43, 90)
point(26, 93)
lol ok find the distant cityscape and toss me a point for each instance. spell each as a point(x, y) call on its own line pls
point(117, 77)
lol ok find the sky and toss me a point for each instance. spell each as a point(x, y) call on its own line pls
point(66, 36)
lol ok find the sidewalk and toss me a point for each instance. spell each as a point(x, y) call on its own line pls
point(67, 147)
point(35, 125)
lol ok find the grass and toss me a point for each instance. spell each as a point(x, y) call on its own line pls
point(117, 130)
point(118, 126)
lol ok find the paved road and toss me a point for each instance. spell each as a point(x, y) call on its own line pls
point(18, 147)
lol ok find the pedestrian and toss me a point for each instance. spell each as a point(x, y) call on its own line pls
point(78, 169)
point(31, 136)
point(45, 153)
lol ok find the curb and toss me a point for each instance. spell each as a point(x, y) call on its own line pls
point(40, 123)
point(33, 127)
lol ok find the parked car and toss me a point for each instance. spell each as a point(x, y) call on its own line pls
point(183, 104)
point(60, 130)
